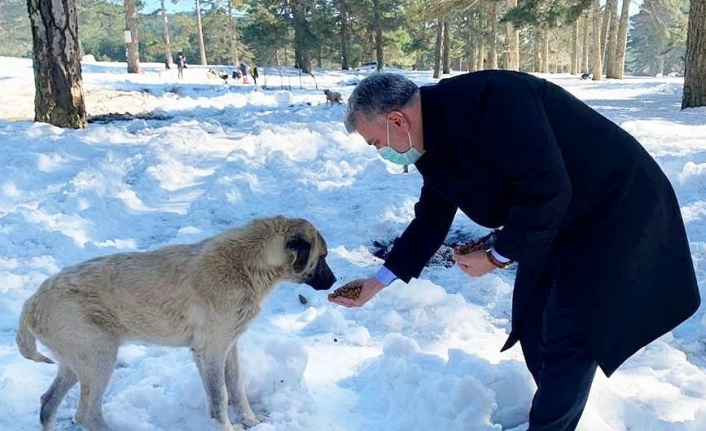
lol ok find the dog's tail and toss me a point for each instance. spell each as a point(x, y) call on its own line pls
point(27, 342)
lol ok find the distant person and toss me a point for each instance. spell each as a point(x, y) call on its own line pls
point(181, 65)
point(245, 70)
point(223, 75)
point(211, 74)
point(254, 74)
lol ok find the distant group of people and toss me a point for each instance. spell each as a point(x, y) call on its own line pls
point(240, 72)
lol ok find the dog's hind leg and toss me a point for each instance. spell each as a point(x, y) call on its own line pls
point(94, 370)
point(237, 395)
point(64, 380)
point(211, 367)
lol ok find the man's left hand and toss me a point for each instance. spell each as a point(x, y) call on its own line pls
point(475, 264)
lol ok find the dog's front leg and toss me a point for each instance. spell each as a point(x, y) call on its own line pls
point(211, 366)
point(236, 388)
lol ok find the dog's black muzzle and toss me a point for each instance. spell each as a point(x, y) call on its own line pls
point(322, 277)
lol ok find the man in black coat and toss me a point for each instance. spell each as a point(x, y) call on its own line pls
point(603, 261)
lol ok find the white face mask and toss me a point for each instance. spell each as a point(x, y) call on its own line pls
point(388, 153)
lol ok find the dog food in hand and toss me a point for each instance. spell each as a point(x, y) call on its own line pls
point(479, 244)
point(350, 290)
point(472, 246)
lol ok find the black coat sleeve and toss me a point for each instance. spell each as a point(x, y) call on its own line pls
point(517, 138)
point(433, 215)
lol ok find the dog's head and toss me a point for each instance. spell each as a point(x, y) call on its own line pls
point(327, 92)
point(306, 255)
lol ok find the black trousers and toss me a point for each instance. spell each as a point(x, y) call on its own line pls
point(562, 367)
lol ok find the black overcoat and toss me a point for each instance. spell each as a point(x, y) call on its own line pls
point(583, 206)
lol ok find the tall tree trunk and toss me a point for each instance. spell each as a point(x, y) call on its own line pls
point(302, 57)
point(536, 51)
point(513, 42)
point(586, 46)
point(202, 48)
point(165, 34)
point(446, 49)
point(604, 30)
point(612, 38)
point(132, 43)
point(659, 57)
point(233, 48)
point(597, 49)
point(695, 63)
point(492, 35)
point(545, 51)
point(378, 33)
point(471, 46)
point(575, 48)
point(58, 97)
point(437, 47)
point(619, 63)
point(343, 7)
point(480, 56)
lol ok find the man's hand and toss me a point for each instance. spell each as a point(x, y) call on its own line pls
point(474, 264)
point(370, 286)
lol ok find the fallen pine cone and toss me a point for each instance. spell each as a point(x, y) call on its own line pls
point(350, 290)
point(302, 299)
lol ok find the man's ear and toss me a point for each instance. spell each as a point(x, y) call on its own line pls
point(398, 120)
point(300, 248)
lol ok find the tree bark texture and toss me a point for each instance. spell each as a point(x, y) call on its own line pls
point(493, 35)
point(471, 47)
point(344, 35)
point(165, 34)
point(545, 51)
point(604, 30)
point(233, 48)
point(597, 42)
point(438, 47)
point(612, 38)
point(132, 47)
point(619, 65)
point(513, 42)
point(378, 34)
point(446, 48)
point(695, 64)
point(58, 84)
point(575, 48)
point(202, 48)
point(586, 45)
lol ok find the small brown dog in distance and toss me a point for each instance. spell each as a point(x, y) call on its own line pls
point(333, 97)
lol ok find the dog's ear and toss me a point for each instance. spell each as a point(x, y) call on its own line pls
point(301, 249)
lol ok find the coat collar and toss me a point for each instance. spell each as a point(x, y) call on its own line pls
point(431, 121)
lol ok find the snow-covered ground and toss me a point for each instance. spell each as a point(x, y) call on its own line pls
point(417, 357)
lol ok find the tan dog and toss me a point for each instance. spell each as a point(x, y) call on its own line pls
point(333, 97)
point(201, 295)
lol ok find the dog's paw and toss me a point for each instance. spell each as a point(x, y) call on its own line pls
point(251, 421)
point(219, 426)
